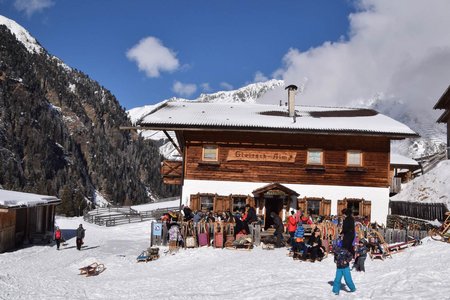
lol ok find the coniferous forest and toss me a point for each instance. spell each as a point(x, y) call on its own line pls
point(59, 135)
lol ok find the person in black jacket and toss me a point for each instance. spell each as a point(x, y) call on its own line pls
point(278, 224)
point(251, 214)
point(315, 248)
point(348, 231)
point(80, 236)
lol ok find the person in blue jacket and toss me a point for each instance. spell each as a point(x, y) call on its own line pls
point(342, 258)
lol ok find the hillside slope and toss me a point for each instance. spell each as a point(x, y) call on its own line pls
point(59, 132)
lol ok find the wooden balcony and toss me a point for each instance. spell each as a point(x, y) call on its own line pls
point(171, 171)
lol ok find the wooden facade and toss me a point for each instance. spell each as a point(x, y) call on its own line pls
point(374, 171)
point(251, 157)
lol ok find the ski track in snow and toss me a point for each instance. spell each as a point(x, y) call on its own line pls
point(41, 272)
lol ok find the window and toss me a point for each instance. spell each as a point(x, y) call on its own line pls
point(238, 203)
point(354, 158)
point(315, 157)
point(206, 203)
point(210, 153)
point(314, 207)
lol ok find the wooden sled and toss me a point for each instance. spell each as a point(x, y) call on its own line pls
point(442, 234)
point(241, 244)
point(92, 270)
point(402, 246)
point(148, 255)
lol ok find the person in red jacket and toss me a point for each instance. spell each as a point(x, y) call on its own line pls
point(291, 226)
point(58, 237)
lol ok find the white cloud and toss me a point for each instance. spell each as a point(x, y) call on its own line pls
point(260, 77)
point(206, 87)
point(153, 57)
point(32, 6)
point(184, 89)
point(396, 50)
point(226, 86)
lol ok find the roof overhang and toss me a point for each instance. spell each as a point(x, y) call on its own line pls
point(445, 117)
point(274, 186)
point(185, 127)
point(444, 101)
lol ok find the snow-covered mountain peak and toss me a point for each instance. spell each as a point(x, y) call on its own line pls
point(247, 94)
point(22, 35)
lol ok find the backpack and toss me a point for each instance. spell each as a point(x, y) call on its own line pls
point(57, 234)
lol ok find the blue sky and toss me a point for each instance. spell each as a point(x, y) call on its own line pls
point(184, 47)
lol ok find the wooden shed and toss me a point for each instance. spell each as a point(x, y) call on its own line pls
point(25, 218)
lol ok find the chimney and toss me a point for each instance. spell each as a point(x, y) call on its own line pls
point(291, 99)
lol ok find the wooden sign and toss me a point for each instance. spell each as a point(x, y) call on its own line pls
point(252, 155)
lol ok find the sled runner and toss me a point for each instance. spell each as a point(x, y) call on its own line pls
point(92, 270)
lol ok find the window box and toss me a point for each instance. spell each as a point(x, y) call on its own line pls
point(315, 168)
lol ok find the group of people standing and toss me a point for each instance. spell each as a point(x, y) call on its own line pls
point(59, 238)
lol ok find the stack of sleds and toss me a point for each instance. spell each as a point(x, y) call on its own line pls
point(150, 254)
point(92, 270)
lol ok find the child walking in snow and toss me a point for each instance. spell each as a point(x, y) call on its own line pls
point(342, 258)
point(361, 254)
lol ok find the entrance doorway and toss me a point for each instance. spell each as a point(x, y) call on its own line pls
point(272, 204)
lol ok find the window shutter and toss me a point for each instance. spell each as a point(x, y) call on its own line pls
point(302, 204)
point(367, 208)
point(218, 203)
point(195, 202)
point(341, 205)
point(325, 207)
point(227, 203)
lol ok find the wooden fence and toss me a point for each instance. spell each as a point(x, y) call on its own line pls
point(112, 216)
point(425, 211)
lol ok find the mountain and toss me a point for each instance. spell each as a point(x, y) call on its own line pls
point(59, 132)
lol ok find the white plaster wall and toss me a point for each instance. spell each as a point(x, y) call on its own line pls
point(378, 196)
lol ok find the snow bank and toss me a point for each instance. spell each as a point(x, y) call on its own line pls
point(432, 187)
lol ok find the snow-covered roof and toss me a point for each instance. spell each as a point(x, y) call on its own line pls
point(12, 199)
point(174, 115)
point(400, 160)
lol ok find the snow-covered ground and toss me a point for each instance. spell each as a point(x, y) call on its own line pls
point(41, 272)
point(432, 187)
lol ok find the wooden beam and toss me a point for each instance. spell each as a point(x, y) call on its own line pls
point(173, 142)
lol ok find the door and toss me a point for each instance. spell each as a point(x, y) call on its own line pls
point(273, 204)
